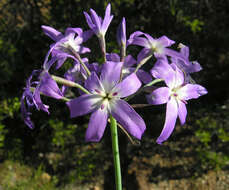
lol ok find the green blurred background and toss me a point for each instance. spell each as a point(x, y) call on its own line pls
point(54, 154)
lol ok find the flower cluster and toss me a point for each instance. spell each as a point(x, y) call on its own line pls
point(103, 89)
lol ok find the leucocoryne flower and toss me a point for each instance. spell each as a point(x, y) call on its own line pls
point(66, 45)
point(120, 77)
point(175, 95)
point(45, 85)
point(97, 25)
point(157, 47)
point(105, 99)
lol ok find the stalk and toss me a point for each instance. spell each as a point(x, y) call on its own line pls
point(102, 43)
point(143, 61)
point(69, 83)
point(115, 148)
point(77, 56)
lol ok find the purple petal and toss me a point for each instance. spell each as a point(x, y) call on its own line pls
point(25, 113)
point(78, 31)
point(95, 19)
point(83, 50)
point(144, 76)
point(107, 19)
point(121, 32)
point(182, 112)
point(48, 65)
point(136, 34)
point(191, 91)
point(176, 55)
point(140, 41)
point(150, 38)
point(94, 67)
point(159, 96)
point(83, 104)
point(38, 103)
point(128, 86)
point(97, 125)
point(145, 52)
point(170, 120)
point(87, 35)
point(128, 118)
point(110, 74)
point(162, 70)
point(184, 50)
point(89, 21)
point(165, 41)
point(194, 67)
point(113, 57)
point(60, 61)
point(49, 87)
point(129, 61)
point(93, 84)
point(51, 32)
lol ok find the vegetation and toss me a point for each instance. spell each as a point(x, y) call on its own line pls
point(54, 154)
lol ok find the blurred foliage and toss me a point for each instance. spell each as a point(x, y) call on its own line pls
point(15, 176)
point(57, 140)
point(213, 135)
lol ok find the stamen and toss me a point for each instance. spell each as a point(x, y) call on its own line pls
point(102, 106)
point(98, 91)
point(115, 94)
point(185, 102)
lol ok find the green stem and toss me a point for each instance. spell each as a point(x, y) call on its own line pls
point(69, 83)
point(115, 148)
point(152, 82)
point(102, 43)
point(82, 63)
point(143, 61)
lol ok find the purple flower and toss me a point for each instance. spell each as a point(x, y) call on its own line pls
point(105, 99)
point(45, 85)
point(67, 45)
point(96, 23)
point(158, 47)
point(129, 67)
point(175, 95)
point(121, 33)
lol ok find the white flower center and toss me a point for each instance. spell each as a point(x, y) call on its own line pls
point(157, 47)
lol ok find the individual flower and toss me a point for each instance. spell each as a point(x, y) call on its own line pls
point(105, 99)
point(98, 25)
point(152, 46)
point(175, 95)
point(66, 45)
point(129, 67)
point(45, 85)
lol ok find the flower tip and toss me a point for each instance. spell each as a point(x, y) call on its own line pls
point(108, 6)
point(202, 91)
point(92, 139)
point(160, 141)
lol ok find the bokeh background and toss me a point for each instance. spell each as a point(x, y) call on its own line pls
point(54, 155)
